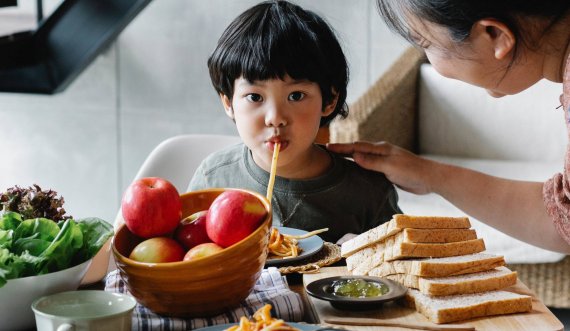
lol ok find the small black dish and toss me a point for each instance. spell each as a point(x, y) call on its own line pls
point(322, 289)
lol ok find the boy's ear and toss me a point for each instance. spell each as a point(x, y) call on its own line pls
point(329, 109)
point(496, 34)
point(227, 103)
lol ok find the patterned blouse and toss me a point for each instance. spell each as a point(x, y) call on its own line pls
point(556, 191)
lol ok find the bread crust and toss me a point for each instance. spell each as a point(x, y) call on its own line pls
point(440, 267)
point(468, 306)
point(485, 281)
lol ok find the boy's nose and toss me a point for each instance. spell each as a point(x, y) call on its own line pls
point(275, 116)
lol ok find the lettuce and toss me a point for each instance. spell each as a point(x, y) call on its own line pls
point(38, 246)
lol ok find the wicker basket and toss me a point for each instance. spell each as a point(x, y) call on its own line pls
point(329, 254)
point(550, 281)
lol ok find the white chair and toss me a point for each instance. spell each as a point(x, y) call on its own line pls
point(175, 159)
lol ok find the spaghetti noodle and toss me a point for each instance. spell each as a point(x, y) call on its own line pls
point(273, 172)
point(286, 245)
point(262, 321)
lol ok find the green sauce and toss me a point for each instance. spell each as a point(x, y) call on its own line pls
point(358, 288)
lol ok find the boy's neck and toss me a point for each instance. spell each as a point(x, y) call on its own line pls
point(316, 162)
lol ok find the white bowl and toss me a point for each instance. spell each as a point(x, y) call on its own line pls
point(17, 295)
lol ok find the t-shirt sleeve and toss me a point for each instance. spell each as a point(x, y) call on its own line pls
point(199, 180)
point(556, 194)
point(556, 190)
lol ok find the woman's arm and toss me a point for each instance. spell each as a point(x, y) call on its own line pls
point(513, 207)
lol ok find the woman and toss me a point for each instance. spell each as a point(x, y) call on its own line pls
point(505, 47)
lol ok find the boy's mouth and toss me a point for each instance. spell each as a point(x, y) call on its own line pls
point(270, 143)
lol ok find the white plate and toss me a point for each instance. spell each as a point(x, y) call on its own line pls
point(302, 327)
point(309, 246)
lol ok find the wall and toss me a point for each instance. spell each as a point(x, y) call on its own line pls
point(88, 142)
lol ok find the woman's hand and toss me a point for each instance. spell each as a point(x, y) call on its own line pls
point(403, 168)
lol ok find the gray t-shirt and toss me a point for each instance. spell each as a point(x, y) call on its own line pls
point(346, 199)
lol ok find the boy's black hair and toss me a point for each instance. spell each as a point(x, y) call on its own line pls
point(459, 16)
point(277, 38)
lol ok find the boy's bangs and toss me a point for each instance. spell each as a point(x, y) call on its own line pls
point(289, 59)
point(279, 48)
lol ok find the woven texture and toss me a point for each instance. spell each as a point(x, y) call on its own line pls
point(329, 254)
point(549, 281)
point(387, 110)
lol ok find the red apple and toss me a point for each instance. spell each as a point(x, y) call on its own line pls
point(233, 216)
point(151, 207)
point(201, 251)
point(191, 231)
point(158, 250)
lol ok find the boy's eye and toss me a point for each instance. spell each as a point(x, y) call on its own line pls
point(254, 97)
point(296, 96)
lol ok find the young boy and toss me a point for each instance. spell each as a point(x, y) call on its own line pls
point(281, 74)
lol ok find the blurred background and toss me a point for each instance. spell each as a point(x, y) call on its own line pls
point(149, 84)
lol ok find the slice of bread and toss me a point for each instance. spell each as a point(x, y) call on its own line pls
point(431, 222)
point(369, 237)
point(399, 222)
point(484, 281)
point(438, 235)
point(440, 267)
point(454, 308)
point(398, 246)
point(397, 249)
point(365, 259)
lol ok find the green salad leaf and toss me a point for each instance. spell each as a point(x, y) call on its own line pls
point(39, 246)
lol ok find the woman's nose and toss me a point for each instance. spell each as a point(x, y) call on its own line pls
point(275, 116)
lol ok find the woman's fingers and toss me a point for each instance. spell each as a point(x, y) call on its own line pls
point(344, 148)
point(369, 161)
point(380, 148)
point(401, 167)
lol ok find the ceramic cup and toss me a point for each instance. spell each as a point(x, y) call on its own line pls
point(84, 310)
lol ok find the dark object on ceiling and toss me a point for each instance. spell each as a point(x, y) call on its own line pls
point(48, 59)
point(8, 3)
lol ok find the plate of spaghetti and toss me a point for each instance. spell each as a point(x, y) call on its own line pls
point(261, 321)
point(289, 245)
point(294, 326)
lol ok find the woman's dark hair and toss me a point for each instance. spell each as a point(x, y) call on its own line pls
point(458, 16)
point(277, 38)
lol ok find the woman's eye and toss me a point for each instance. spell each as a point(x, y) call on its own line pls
point(254, 97)
point(423, 43)
point(296, 96)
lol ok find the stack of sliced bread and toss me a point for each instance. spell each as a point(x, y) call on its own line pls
point(440, 260)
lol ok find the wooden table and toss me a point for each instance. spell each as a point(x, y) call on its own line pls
point(317, 311)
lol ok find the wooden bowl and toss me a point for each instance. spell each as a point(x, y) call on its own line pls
point(199, 288)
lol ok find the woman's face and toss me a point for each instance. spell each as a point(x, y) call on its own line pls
point(476, 61)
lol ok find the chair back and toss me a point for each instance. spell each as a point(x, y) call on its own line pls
point(177, 158)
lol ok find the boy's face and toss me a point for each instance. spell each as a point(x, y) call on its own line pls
point(285, 111)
